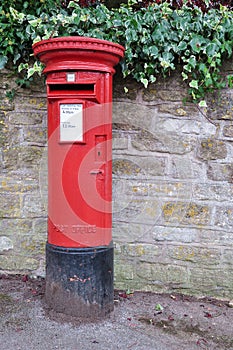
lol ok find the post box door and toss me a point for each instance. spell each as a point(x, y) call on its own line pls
point(79, 173)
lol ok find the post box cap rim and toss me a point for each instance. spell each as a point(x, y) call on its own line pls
point(78, 42)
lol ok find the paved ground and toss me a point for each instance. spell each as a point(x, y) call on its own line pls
point(140, 321)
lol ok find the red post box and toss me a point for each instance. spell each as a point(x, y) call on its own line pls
point(79, 251)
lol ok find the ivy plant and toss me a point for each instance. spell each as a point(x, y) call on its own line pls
point(157, 39)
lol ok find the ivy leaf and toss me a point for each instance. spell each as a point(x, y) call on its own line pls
point(144, 82)
point(154, 51)
point(194, 84)
point(197, 42)
point(202, 103)
point(211, 49)
point(184, 76)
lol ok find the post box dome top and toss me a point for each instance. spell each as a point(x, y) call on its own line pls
point(78, 53)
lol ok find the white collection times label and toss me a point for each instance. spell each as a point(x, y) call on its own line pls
point(71, 122)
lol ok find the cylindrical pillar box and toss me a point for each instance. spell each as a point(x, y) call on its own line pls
point(79, 251)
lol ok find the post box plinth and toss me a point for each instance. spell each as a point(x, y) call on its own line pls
point(79, 282)
point(79, 250)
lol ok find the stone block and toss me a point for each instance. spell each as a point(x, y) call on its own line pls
point(17, 183)
point(211, 149)
point(40, 227)
point(213, 192)
point(228, 131)
point(32, 206)
point(5, 244)
point(11, 227)
point(132, 116)
point(17, 263)
point(199, 255)
point(217, 236)
point(220, 105)
point(163, 274)
point(224, 217)
point(129, 231)
point(175, 234)
point(162, 142)
point(227, 257)
point(11, 158)
point(35, 134)
point(30, 245)
point(178, 110)
point(185, 167)
point(125, 167)
point(134, 166)
point(26, 117)
point(6, 104)
point(141, 252)
point(186, 213)
point(30, 156)
point(10, 205)
point(25, 103)
point(119, 141)
point(124, 271)
point(124, 88)
point(205, 281)
point(3, 130)
point(220, 172)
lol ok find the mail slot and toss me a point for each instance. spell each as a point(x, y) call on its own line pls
point(79, 251)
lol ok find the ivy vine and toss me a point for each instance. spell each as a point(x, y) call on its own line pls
point(157, 39)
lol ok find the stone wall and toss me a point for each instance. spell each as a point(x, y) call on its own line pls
point(172, 186)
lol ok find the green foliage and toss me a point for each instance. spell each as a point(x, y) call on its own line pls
point(157, 39)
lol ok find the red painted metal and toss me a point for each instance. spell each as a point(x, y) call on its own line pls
point(79, 81)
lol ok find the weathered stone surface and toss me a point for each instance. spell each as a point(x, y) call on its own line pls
point(35, 135)
point(40, 227)
point(211, 149)
point(220, 105)
point(17, 183)
point(30, 156)
point(132, 116)
point(228, 131)
point(220, 171)
point(125, 89)
point(159, 142)
point(5, 244)
point(185, 168)
point(32, 206)
point(183, 126)
point(6, 104)
point(211, 281)
point(119, 141)
point(175, 234)
point(14, 263)
point(224, 217)
point(10, 205)
point(26, 117)
point(30, 103)
point(12, 226)
point(186, 213)
point(199, 255)
point(172, 187)
point(217, 192)
point(159, 273)
point(178, 110)
point(3, 129)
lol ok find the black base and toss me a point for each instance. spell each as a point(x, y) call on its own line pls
point(79, 282)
